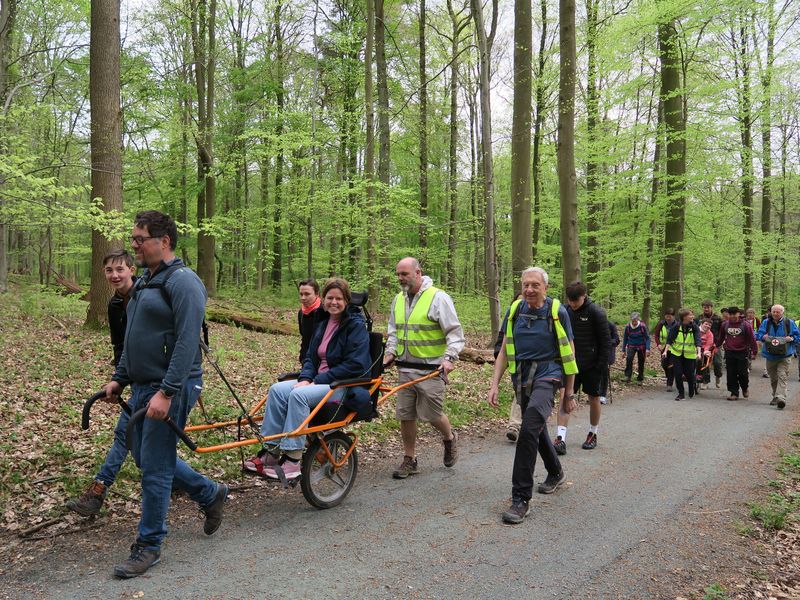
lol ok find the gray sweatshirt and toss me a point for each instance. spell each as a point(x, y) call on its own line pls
point(162, 344)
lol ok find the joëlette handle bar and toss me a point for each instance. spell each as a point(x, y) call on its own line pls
point(87, 407)
point(140, 415)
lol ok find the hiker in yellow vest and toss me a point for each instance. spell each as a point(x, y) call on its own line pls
point(539, 351)
point(683, 343)
point(423, 334)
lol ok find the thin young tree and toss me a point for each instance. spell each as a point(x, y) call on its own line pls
point(8, 11)
point(490, 244)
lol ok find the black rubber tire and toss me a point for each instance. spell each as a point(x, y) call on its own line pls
point(321, 487)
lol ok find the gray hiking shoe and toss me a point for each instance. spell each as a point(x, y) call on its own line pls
point(213, 511)
point(139, 561)
point(91, 501)
point(518, 510)
point(451, 450)
point(552, 483)
point(406, 468)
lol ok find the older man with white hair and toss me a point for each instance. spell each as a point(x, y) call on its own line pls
point(538, 350)
point(778, 335)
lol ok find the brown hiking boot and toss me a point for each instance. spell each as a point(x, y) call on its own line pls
point(90, 503)
point(451, 450)
point(406, 468)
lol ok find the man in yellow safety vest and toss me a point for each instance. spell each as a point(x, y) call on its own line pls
point(539, 350)
point(424, 334)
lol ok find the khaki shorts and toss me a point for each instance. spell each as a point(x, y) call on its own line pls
point(422, 401)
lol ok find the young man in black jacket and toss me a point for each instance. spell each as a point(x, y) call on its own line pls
point(592, 347)
point(119, 270)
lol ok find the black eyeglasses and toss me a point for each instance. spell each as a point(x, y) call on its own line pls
point(138, 240)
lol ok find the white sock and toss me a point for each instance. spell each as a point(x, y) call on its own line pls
point(562, 432)
point(593, 429)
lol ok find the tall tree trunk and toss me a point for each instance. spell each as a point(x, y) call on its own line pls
point(766, 159)
point(521, 138)
point(106, 142)
point(651, 238)
point(567, 186)
point(672, 93)
point(369, 158)
point(458, 26)
point(8, 12)
point(592, 168)
point(484, 48)
point(742, 66)
point(423, 131)
point(537, 136)
point(277, 213)
point(383, 137)
point(204, 44)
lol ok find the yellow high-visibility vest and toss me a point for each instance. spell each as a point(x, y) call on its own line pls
point(684, 345)
point(564, 347)
point(423, 337)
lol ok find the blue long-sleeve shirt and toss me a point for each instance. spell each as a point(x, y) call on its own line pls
point(636, 337)
point(769, 327)
point(162, 343)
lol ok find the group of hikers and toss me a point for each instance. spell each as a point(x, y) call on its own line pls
point(551, 351)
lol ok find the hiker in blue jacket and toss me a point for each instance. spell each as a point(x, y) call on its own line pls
point(778, 335)
point(635, 344)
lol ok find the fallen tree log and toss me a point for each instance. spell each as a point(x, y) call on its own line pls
point(251, 322)
point(476, 355)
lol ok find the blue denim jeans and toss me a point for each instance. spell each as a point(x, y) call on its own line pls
point(119, 451)
point(288, 407)
point(116, 454)
point(155, 453)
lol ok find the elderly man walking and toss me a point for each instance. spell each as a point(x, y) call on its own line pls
point(778, 335)
point(538, 349)
point(423, 334)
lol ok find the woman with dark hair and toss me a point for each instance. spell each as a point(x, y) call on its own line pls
point(683, 342)
point(310, 313)
point(339, 350)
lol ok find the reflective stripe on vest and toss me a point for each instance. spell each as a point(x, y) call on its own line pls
point(564, 347)
point(684, 345)
point(423, 337)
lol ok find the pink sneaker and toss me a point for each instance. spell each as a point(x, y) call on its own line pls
point(290, 469)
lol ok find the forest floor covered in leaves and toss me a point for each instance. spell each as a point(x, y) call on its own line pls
point(49, 365)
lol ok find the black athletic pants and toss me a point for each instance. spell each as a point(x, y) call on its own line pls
point(738, 375)
point(631, 353)
point(533, 437)
point(669, 371)
point(683, 366)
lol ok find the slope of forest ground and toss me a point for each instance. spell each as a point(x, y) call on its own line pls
point(49, 364)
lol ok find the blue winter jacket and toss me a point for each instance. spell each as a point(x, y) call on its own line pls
point(768, 327)
point(347, 355)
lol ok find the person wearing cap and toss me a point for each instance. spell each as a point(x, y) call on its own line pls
point(716, 325)
point(739, 340)
point(635, 344)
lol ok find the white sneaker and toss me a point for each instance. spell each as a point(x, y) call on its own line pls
point(603, 400)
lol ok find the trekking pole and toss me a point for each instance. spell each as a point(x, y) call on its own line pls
point(248, 416)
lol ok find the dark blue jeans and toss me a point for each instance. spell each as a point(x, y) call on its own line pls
point(119, 451)
point(155, 453)
point(533, 437)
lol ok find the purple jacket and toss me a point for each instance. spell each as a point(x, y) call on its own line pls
point(737, 337)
